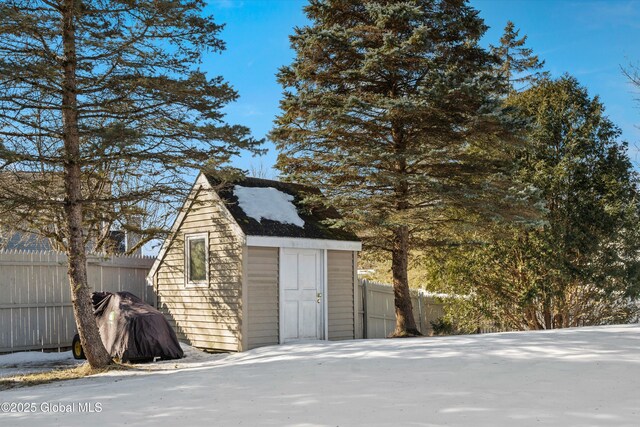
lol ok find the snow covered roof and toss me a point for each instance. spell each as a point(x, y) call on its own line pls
point(263, 207)
point(267, 203)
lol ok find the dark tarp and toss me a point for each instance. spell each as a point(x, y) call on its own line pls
point(133, 330)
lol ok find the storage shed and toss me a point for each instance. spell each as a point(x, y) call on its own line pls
point(248, 265)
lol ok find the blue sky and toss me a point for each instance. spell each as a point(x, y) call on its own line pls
point(590, 39)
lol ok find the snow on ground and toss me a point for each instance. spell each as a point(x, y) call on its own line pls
point(267, 203)
point(573, 377)
point(28, 362)
point(34, 361)
point(193, 358)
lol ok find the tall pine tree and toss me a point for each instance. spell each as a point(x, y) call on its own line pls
point(103, 110)
point(390, 107)
point(518, 65)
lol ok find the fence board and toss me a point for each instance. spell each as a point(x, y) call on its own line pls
point(35, 299)
point(378, 309)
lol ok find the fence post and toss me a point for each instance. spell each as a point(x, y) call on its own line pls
point(365, 311)
point(420, 323)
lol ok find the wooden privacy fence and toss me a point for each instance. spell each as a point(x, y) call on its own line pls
point(35, 299)
point(377, 310)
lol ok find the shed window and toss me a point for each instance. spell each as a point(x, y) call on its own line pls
point(197, 257)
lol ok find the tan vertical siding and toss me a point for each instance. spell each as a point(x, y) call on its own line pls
point(262, 296)
point(206, 317)
point(340, 283)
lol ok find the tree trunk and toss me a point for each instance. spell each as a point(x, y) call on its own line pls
point(405, 323)
point(94, 350)
point(548, 317)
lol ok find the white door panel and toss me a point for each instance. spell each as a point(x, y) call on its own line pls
point(291, 320)
point(301, 285)
point(289, 274)
point(308, 328)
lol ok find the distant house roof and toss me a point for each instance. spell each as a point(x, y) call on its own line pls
point(313, 216)
point(24, 242)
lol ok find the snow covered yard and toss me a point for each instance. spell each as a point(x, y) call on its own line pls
point(28, 362)
point(575, 377)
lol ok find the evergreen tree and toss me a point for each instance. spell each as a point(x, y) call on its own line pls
point(581, 267)
point(589, 188)
point(102, 112)
point(518, 65)
point(390, 107)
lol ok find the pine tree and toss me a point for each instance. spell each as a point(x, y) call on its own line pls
point(580, 267)
point(589, 188)
point(518, 65)
point(391, 108)
point(103, 112)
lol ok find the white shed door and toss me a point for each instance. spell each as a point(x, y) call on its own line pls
point(302, 298)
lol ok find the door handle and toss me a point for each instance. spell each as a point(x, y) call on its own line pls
point(318, 297)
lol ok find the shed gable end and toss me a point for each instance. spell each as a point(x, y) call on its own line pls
point(208, 315)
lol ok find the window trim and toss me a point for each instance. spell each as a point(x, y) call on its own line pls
point(187, 264)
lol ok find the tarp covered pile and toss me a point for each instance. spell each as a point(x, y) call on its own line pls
point(132, 330)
